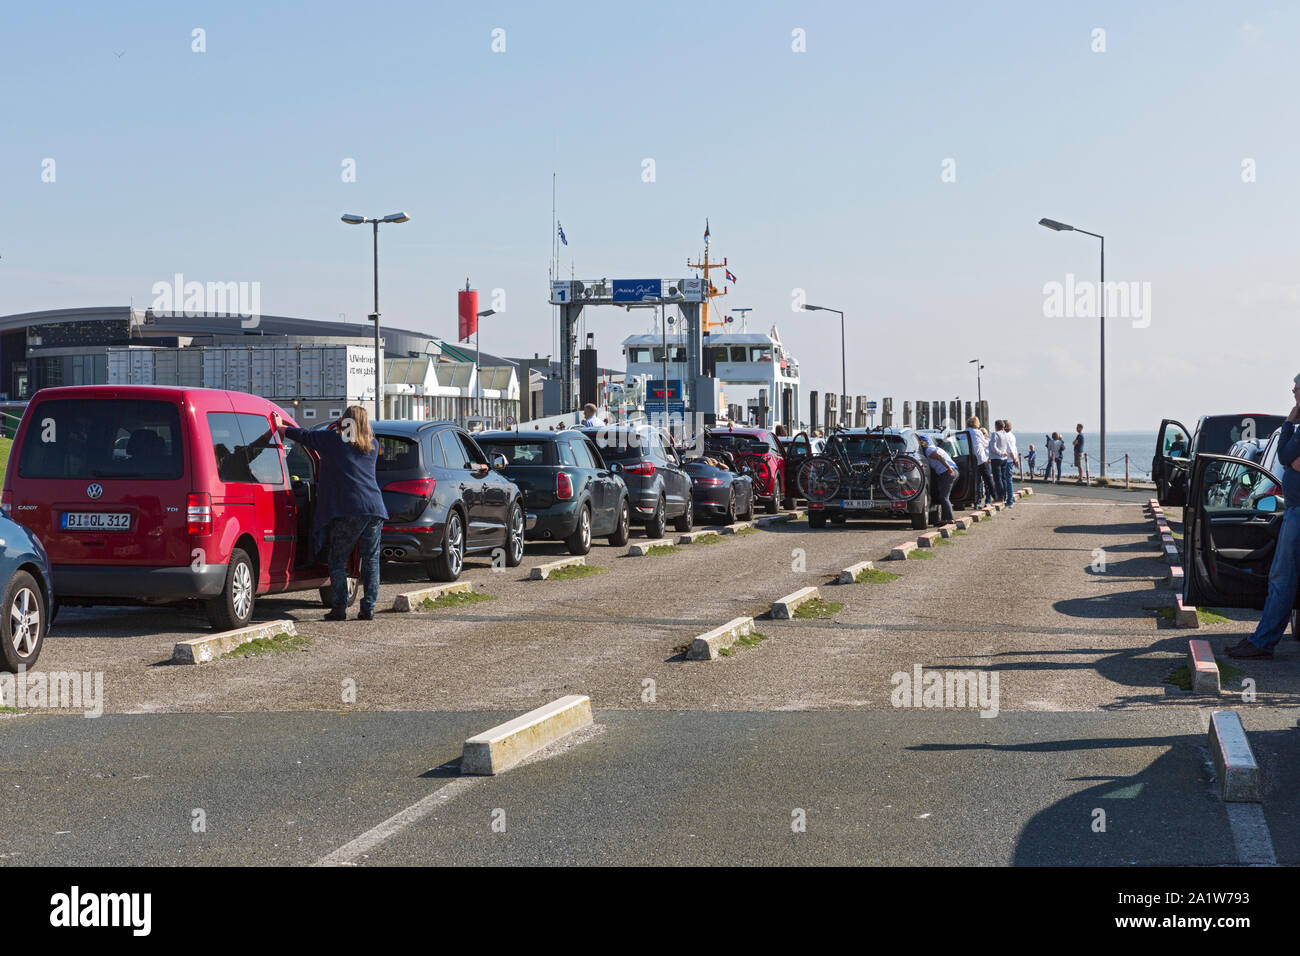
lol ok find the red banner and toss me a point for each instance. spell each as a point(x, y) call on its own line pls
point(467, 306)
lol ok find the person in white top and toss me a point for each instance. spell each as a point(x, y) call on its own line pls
point(945, 470)
point(995, 459)
point(591, 420)
point(979, 444)
point(1010, 460)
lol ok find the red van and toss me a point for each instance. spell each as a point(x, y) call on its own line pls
point(158, 495)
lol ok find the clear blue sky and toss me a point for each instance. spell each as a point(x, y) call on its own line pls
point(817, 170)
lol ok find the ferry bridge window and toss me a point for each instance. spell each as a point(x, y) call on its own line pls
point(761, 353)
point(738, 354)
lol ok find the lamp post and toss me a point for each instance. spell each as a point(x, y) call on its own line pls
point(979, 388)
point(844, 378)
point(353, 220)
point(1101, 306)
point(478, 362)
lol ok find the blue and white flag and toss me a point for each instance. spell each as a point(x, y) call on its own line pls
point(560, 226)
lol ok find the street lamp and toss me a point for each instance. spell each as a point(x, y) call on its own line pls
point(844, 378)
point(979, 389)
point(1101, 305)
point(478, 362)
point(353, 220)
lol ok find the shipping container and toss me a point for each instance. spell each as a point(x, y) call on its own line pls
point(189, 368)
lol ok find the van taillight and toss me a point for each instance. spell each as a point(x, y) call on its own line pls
point(198, 512)
point(563, 486)
point(416, 486)
point(7, 502)
point(646, 468)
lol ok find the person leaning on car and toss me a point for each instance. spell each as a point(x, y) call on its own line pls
point(349, 505)
point(945, 470)
point(1284, 571)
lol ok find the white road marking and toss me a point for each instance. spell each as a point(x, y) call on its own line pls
point(348, 853)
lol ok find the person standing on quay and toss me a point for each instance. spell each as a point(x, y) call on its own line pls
point(1010, 459)
point(995, 458)
point(979, 443)
point(1078, 454)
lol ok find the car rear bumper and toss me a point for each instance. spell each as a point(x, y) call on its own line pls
point(145, 584)
point(550, 524)
point(410, 545)
point(884, 509)
point(711, 498)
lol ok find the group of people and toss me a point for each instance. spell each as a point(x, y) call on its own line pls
point(997, 457)
point(1056, 452)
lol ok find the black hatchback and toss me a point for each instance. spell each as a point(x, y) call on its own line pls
point(570, 494)
point(658, 487)
point(444, 499)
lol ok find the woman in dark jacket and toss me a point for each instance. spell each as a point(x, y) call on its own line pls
point(349, 506)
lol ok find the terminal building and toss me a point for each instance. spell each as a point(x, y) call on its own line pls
point(311, 368)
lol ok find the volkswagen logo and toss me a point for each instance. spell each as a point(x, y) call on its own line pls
point(94, 490)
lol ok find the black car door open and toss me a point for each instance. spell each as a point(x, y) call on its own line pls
point(1169, 464)
point(963, 490)
point(1234, 513)
point(494, 494)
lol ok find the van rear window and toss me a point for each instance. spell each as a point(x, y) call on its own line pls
point(106, 438)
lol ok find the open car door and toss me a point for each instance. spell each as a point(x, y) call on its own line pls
point(1234, 513)
point(1169, 466)
point(797, 450)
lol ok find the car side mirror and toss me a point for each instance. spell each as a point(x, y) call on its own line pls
point(616, 468)
point(1268, 504)
point(499, 461)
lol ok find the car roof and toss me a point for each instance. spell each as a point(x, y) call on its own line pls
point(533, 435)
point(399, 426)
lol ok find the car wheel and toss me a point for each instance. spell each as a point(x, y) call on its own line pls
point(749, 509)
point(921, 516)
point(816, 519)
point(657, 525)
point(515, 536)
point(580, 541)
point(687, 519)
point(234, 607)
point(729, 517)
point(773, 506)
point(447, 566)
point(23, 630)
point(354, 591)
point(624, 530)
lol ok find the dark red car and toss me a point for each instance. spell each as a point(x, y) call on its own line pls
point(756, 452)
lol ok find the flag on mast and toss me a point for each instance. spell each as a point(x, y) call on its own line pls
point(706, 229)
point(560, 226)
point(731, 277)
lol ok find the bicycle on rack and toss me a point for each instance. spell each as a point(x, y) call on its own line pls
point(861, 473)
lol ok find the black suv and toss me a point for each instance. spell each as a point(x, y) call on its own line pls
point(444, 500)
point(881, 473)
point(658, 486)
